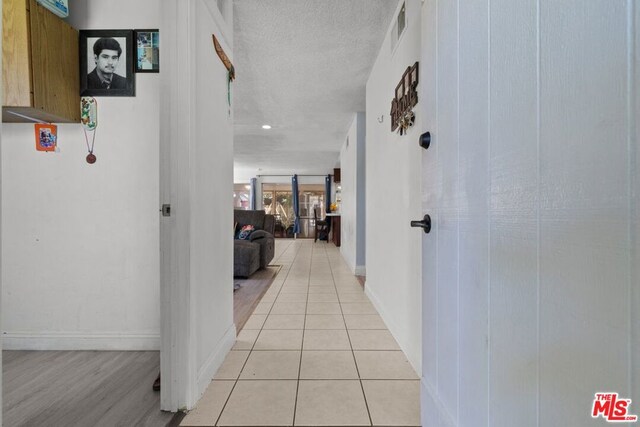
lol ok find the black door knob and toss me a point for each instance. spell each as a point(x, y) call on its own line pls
point(425, 224)
point(425, 140)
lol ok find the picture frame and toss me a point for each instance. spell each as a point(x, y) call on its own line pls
point(108, 72)
point(147, 58)
point(399, 92)
point(407, 81)
point(415, 74)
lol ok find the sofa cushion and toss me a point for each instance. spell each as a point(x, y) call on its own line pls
point(245, 232)
point(255, 218)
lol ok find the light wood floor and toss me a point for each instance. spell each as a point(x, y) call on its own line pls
point(88, 388)
point(247, 296)
point(82, 388)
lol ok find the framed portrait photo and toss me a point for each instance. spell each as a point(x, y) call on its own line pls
point(147, 51)
point(106, 63)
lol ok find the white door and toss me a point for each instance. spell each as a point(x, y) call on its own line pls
point(175, 347)
point(531, 275)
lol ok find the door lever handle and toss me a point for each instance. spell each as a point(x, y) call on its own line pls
point(425, 224)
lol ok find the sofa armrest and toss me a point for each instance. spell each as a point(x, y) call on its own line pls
point(259, 234)
point(266, 242)
point(269, 223)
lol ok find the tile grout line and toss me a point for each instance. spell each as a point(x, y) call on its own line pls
point(353, 354)
point(235, 383)
point(304, 325)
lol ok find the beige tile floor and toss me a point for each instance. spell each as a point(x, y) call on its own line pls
point(314, 353)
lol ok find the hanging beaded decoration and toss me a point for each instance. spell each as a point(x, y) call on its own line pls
point(89, 120)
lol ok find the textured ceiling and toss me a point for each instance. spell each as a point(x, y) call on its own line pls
point(301, 67)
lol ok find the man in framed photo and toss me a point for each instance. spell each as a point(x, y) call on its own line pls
point(106, 54)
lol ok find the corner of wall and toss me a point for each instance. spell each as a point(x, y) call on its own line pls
point(217, 356)
point(433, 413)
point(412, 352)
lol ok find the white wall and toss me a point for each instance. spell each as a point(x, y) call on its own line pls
point(212, 179)
point(635, 217)
point(531, 287)
point(393, 197)
point(80, 241)
point(361, 196)
point(352, 207)
point(197, 180)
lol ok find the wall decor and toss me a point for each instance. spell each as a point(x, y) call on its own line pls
point(106, 63)
point(46, 136)
point(224, 58)
point(147, 51)
point(406, 97)
point(89, 121)
point(231, 72)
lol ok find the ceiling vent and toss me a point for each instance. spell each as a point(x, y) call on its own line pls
point(399, 25)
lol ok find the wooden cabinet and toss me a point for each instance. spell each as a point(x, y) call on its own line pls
point(335, 230)
point(40, 68)
point(336, 175)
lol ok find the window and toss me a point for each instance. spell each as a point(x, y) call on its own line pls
point(277, 200)
point(398, 27)
point(241, 196)
point(401, 21)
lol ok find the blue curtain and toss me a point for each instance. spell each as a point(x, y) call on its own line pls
point(296, 205)
point(252, 194)
point(327, 190)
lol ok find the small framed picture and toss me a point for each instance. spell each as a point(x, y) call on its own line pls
point(106, 63)
point(46, 136)
point(147, 51)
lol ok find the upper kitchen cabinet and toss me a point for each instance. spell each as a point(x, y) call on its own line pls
point(40, 71)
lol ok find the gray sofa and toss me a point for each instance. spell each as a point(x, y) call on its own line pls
point(257, 252)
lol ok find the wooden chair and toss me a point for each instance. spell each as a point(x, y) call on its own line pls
point(321, 226)
point(279, 227)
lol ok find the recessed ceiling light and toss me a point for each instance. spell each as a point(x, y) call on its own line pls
point(266, 127)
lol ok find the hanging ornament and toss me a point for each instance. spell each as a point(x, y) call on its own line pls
point(231, 75)
point(89, 120)
point(406, 121)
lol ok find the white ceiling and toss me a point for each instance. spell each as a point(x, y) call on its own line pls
point(301, 67)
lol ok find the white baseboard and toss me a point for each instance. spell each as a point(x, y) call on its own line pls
point(394, 328)
point(380, 308)
point(433, 412)
point(361, 270)
point(76, 341)
point(213, 362)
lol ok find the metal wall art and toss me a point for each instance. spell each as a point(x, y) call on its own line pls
point(406, 97)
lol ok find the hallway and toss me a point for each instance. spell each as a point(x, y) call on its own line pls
point(315, 352)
